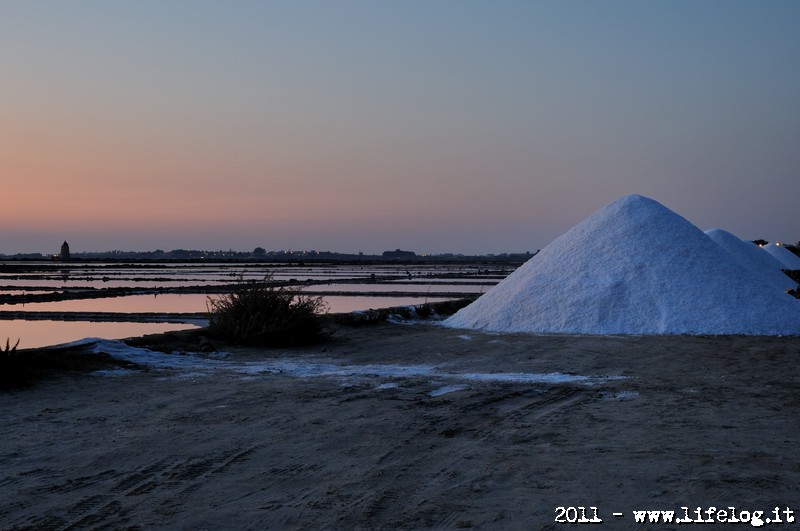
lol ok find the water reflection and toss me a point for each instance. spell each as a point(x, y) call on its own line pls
point(33, 334)
point(193, 303)
point(164, 303)
point(344, 304)
point(349, 287)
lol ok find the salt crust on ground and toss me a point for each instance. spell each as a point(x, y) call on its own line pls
point(633, 267)
point(194, 366)
point(752, 257)
point(701, 420)
point(783, 255)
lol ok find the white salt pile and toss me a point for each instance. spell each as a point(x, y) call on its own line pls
point(750, 256)
point(633, 267)
point(783, 255)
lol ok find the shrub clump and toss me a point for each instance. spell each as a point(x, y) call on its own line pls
point(13, 371)
point(9, 350)
point(262, 313)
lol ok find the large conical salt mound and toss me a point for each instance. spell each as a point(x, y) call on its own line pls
point(783, 255)
point(633, 267)
point(750, 256)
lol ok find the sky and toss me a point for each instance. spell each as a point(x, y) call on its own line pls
point(360, 126)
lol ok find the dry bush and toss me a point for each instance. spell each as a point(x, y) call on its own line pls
point(261, 313)
point(12, 367)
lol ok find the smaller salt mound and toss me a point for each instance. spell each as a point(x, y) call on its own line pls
point(633, 267)
point(750, 256)
point(783, 255)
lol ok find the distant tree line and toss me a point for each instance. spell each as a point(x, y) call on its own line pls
point(260, 254)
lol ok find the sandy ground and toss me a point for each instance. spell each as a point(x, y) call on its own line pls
point(694, 422)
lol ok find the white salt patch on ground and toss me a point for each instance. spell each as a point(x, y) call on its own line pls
point(633, 267)
point(783, 255)
point(620, 396)
point(522, 377)
point(750, 256)
point(194, 366)
point(143, 356)
point(447, 389)
point(186, 376)
point(113, 372)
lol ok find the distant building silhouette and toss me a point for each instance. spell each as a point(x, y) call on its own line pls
point(397, 253)
point(64, 251)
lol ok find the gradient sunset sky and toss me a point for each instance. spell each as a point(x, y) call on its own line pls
point(435, 126)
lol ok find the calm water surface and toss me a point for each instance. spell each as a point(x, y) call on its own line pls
point(33, 334)
point(413, 284)
point(192, 303)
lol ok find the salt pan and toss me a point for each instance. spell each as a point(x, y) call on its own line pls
point(633, 267)
point(750, 256)
point(783, 255)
